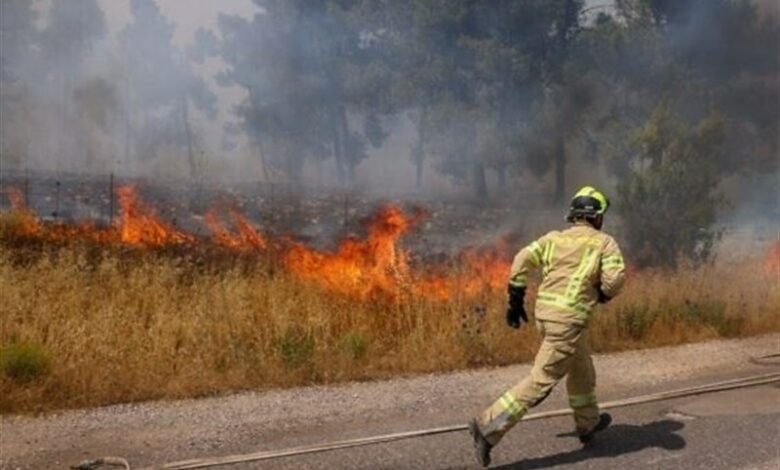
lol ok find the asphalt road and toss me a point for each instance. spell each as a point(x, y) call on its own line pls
point(727, 430)
point(658, 436)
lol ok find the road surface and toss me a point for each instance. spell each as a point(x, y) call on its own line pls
point(727, 430)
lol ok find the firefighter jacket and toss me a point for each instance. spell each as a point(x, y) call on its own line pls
point(576, 263)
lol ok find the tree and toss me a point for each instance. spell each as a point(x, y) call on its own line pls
point(74, 27)
point(310, 85)
point(670, 205)
point(18, 37)
point(160, 87)
point(699, 56)
point(471, 72)
point(18, 40)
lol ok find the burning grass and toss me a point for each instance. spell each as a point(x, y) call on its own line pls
point(96, 319)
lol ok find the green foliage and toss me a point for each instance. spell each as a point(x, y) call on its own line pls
point(24, 362)
point(494, 90)
point(354, 345)
point(635, 320)
point(295, 347)
point(713, 314)
point(669, 205)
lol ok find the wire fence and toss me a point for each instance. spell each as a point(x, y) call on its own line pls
point(320, 215)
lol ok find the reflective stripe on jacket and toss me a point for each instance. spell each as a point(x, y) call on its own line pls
point(575, 263)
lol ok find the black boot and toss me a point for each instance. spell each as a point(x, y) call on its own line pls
point(605, 419)
point(481, 444)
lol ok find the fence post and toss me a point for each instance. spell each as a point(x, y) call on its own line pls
point(27, 186)
point(110, 199)
point(56, 200)
point(346, 209)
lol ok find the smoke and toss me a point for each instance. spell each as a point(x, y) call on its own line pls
point(518, 102)
point(89, 88)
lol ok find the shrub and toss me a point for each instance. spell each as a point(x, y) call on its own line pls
point(634, 320)
point(354, 345)
point(295, 347)
point(24, 362)
point(713, 314)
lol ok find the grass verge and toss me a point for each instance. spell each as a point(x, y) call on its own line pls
point(85, 325)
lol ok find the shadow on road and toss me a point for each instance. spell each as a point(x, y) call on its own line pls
point(617, 440)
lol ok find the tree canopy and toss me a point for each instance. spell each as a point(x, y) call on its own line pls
point(656, 99)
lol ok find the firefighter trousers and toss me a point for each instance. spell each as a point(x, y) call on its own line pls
point(564, 352)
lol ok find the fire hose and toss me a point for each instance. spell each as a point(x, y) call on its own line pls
point(207, 462)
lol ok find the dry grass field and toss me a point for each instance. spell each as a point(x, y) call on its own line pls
point(87, 322)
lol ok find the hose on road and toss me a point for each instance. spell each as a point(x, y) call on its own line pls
point(364, 441)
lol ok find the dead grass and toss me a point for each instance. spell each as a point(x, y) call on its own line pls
point(116, 325)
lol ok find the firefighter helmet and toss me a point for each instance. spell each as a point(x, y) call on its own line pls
point(588, 203)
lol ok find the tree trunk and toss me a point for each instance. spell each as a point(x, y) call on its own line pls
point(339, 147)
point(188, 138)
point(338, 157)
point(258, 141)
point(293, 169)
point(128, 129)
point(263, 160)
point(418, 151)
point(560, 170)
point(343, 130)
point(501, 171)
point(419, 161)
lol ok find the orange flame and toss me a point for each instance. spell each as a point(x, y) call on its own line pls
point(28, 224)
point(246, 238)
point(359, 267)
point(479, 271)
point(139, 224)
point(486, 269)
point(377, 265)
point(362, 268)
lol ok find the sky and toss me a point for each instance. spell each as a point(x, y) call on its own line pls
point(187, 15)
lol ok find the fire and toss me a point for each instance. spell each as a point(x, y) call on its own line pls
point(378, 265)
point(139, 224)
point(374, 266)
point(246, 238)
point(359, 267)
point(486, 269)
point(479, 271)
point(28, 224)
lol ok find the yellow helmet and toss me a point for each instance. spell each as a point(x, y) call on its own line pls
point(587, 203)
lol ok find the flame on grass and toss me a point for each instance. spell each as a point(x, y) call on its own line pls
point(378, 265)
point(139, 224)
point(245, 237)
point(360, 268)
point(373, 266)
point(26, 222)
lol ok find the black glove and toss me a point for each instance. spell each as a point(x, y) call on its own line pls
point(516, 310)
point(603, 297)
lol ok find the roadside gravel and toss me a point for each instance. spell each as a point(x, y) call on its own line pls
point(155, 431)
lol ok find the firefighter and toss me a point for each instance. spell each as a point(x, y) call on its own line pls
point(580, 267)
